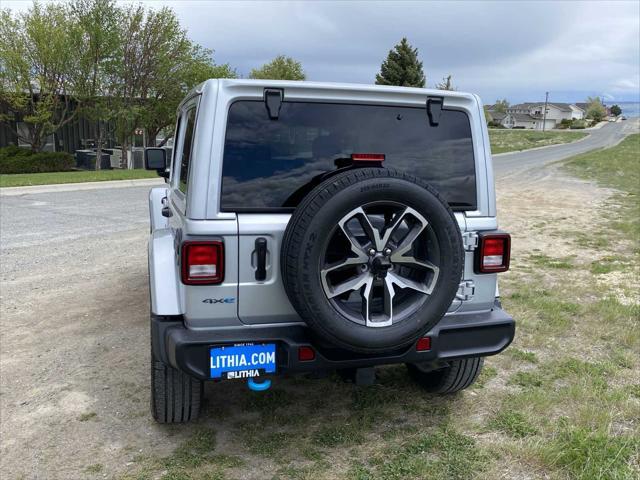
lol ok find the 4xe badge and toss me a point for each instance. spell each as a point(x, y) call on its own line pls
point(219, 300)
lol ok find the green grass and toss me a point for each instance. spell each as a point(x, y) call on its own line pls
point(619, 168)
point(591, 455)
point(75, 176)
point(521, 355)
point(87, 416)
point(445, 453)
point(513, 423)
point(338, 435)
point(95, 468)
point(503, 141)
point(540, 260)
point(616, 167)
point(608, 264)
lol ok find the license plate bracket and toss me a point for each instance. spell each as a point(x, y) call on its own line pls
point(242, 360)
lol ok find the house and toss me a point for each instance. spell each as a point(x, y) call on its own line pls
point(531, 115)
point(528, 121)
point(497, 117)
point(555, 111)
point(577, 113)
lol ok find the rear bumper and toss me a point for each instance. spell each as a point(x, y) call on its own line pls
point(454, 337)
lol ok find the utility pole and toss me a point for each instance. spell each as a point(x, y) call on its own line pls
point(544, 113)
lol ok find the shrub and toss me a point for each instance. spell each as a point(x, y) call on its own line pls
point(565, 123)
point(14, 151)
point(20, 160)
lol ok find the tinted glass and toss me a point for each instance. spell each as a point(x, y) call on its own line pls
point(266, 161)
point(186, 149)
point(175, 148)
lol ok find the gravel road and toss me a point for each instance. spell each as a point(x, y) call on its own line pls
point(74, 326)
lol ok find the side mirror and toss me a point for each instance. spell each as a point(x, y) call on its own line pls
point(155, 159)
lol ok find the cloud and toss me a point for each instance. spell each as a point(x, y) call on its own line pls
point(515, 49)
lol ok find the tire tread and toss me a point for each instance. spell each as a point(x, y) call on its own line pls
point(459, 375)
point(175, 396)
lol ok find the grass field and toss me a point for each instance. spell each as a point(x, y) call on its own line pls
point(25, 179)
point(563, 402)
point(513, 140)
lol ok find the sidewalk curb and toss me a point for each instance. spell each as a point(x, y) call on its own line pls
point(70, 187)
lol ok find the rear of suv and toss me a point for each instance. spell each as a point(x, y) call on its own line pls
point(312, 227)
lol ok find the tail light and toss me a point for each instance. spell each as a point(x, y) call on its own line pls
point(493, 253)
point(423, 344)
point(306, 354)
point(368, 157)
point(202, 263)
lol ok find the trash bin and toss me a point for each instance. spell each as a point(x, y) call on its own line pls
point(82, 158)
point(138, 157)
point(105, 164)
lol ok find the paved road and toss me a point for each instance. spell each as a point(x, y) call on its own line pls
point(608, 135)
point(46, 218)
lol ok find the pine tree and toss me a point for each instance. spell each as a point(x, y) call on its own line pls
point(402, 67)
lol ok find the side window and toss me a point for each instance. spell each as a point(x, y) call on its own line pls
point(174, 163)
point(187, 146)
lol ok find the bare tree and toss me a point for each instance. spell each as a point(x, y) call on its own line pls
point(446, 84)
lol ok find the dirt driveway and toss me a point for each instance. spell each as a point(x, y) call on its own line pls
point(74, 356)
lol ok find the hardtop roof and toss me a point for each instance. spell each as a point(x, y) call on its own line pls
point(328, 86)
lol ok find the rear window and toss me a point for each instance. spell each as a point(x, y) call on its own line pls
point(266, 161)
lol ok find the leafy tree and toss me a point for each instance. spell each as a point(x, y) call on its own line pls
point(487, 115)
point(501, 106)
point(157, 66)
point(402, 67)
point(446, 84)
point(95, 39)
point(172, 84)
point(595, 109)
point(280, 68)
point(115, 65)
point(615, 110)
point(36, 57)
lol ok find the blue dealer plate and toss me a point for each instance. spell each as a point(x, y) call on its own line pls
point(242, 361)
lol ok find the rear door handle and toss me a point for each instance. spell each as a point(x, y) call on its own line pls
point(261, 254)
point(166, 212)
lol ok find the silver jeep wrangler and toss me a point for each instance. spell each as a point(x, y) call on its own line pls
point(318, 227)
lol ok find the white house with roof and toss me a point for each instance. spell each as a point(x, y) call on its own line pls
point(531, 115)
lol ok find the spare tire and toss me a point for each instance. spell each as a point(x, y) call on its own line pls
point(372, 259)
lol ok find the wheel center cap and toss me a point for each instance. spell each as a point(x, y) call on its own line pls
point(380, 264)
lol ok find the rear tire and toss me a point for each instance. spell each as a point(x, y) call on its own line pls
point(460, 374)
point(175, 396)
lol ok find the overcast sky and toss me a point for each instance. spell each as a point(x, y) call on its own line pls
point(516, 50)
